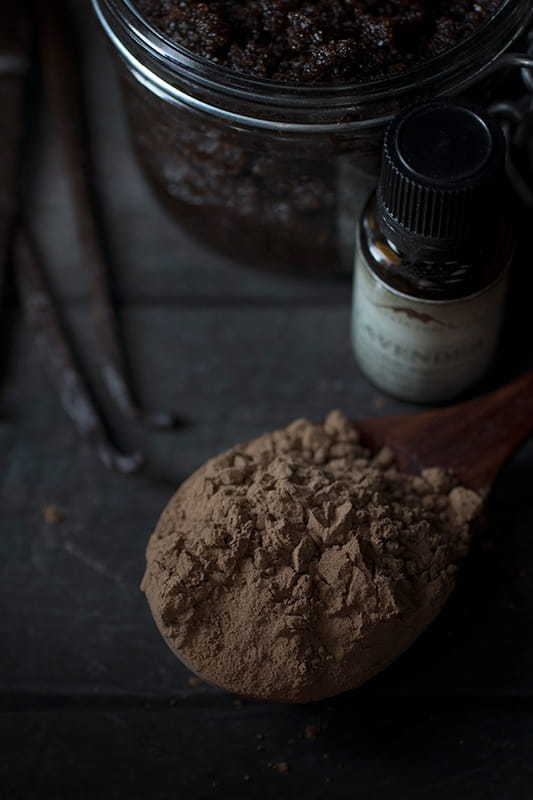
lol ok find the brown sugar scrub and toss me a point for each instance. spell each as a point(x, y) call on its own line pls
point(287, 202)
point(318, 40)
point(297, 566)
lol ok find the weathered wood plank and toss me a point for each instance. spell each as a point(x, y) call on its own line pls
point(94, 705)
point(203, 750)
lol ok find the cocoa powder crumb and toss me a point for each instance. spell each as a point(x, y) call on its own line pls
point(312, 731)
point(195, 682)
point(52, 515)
point(282, 767)
point(283, 576)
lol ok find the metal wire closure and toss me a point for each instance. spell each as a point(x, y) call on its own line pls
point(516, 120)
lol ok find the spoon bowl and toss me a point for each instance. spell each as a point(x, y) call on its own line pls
point(473, 438)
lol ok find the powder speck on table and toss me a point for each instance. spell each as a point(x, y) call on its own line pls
point(297, 566)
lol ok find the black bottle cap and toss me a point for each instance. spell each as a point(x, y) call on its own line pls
point(442, 179)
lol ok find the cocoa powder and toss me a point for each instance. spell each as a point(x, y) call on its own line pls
point(297, 566)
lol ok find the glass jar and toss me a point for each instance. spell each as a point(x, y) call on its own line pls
point(276, 174)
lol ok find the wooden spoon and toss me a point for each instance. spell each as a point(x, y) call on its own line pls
point(474, 438)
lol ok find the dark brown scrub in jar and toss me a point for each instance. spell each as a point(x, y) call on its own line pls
point(260, 123)
point(318, 41)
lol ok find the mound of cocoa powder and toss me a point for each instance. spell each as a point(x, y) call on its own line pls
point(297, 566)
point(318, 41)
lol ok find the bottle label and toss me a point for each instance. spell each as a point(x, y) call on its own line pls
point(423, 350)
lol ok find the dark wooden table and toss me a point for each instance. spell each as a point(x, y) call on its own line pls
point(93, 704)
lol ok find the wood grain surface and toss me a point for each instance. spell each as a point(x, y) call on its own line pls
point(93, 705)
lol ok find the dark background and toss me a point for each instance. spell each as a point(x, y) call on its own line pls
point(93, 705)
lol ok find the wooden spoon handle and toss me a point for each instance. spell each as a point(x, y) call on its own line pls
point(474, 438)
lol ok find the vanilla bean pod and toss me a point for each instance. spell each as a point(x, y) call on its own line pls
point(74, 396)
point(62, 75)
point(15, 64)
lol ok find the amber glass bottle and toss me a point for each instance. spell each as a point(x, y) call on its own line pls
point(434, 248)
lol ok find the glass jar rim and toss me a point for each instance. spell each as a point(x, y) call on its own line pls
point(168, 60)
